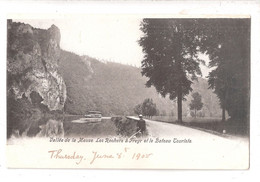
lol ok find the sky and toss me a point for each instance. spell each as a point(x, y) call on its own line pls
point(107, 38)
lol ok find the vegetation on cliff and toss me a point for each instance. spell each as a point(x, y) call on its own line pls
point(34, 86)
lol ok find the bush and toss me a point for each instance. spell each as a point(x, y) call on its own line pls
point(125, 127)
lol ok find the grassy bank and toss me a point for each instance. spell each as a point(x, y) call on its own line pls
point(215, 125)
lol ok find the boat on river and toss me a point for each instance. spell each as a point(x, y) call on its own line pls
point(94, 116)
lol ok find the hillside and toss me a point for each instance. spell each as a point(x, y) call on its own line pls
point(115, 89)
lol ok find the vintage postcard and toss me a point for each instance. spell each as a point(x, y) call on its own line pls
point(108, 91)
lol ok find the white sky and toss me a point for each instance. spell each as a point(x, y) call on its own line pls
point(110, 38)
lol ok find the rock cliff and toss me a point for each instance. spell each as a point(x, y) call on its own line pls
point(33, 80)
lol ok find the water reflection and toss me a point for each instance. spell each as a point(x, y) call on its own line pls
point(51, 129)
point(47, 125)
point(35, 124)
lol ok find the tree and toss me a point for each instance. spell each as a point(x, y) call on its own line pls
point(227, 43)
point(138, 109)
point(171, 62)
point(196, 103)
point(147, 108)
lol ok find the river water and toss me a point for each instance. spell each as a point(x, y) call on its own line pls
point(60, 125)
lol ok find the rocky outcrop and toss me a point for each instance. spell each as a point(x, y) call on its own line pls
point(32, 58)
point(32, 68)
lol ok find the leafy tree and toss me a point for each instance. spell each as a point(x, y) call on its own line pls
point(138, 109)
point(170, 48)
point(227, 42)
point(147, 108)
point(196, 103)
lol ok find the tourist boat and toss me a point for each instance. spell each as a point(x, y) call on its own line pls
point(93, 116)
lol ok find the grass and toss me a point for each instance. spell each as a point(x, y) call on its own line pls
point(230, 127)
point(172, 119)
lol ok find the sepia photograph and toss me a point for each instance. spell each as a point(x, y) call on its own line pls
point(132, 92)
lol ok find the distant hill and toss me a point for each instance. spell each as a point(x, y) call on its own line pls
point(115, 89)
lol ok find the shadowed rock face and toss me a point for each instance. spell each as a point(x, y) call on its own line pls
point(32, 57)
point(32, 61)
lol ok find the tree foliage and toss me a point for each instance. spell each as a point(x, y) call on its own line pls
point(227, 43)
point(138, 109)
point(147, 108)
point(171, 62)
point(196, 103)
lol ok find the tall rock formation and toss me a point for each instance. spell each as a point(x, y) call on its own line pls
point(33, 81)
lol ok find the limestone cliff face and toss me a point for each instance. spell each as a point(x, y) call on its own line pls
point(32, 65)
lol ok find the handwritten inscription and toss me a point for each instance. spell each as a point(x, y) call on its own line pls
point(59, 154)
point(95, 156)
